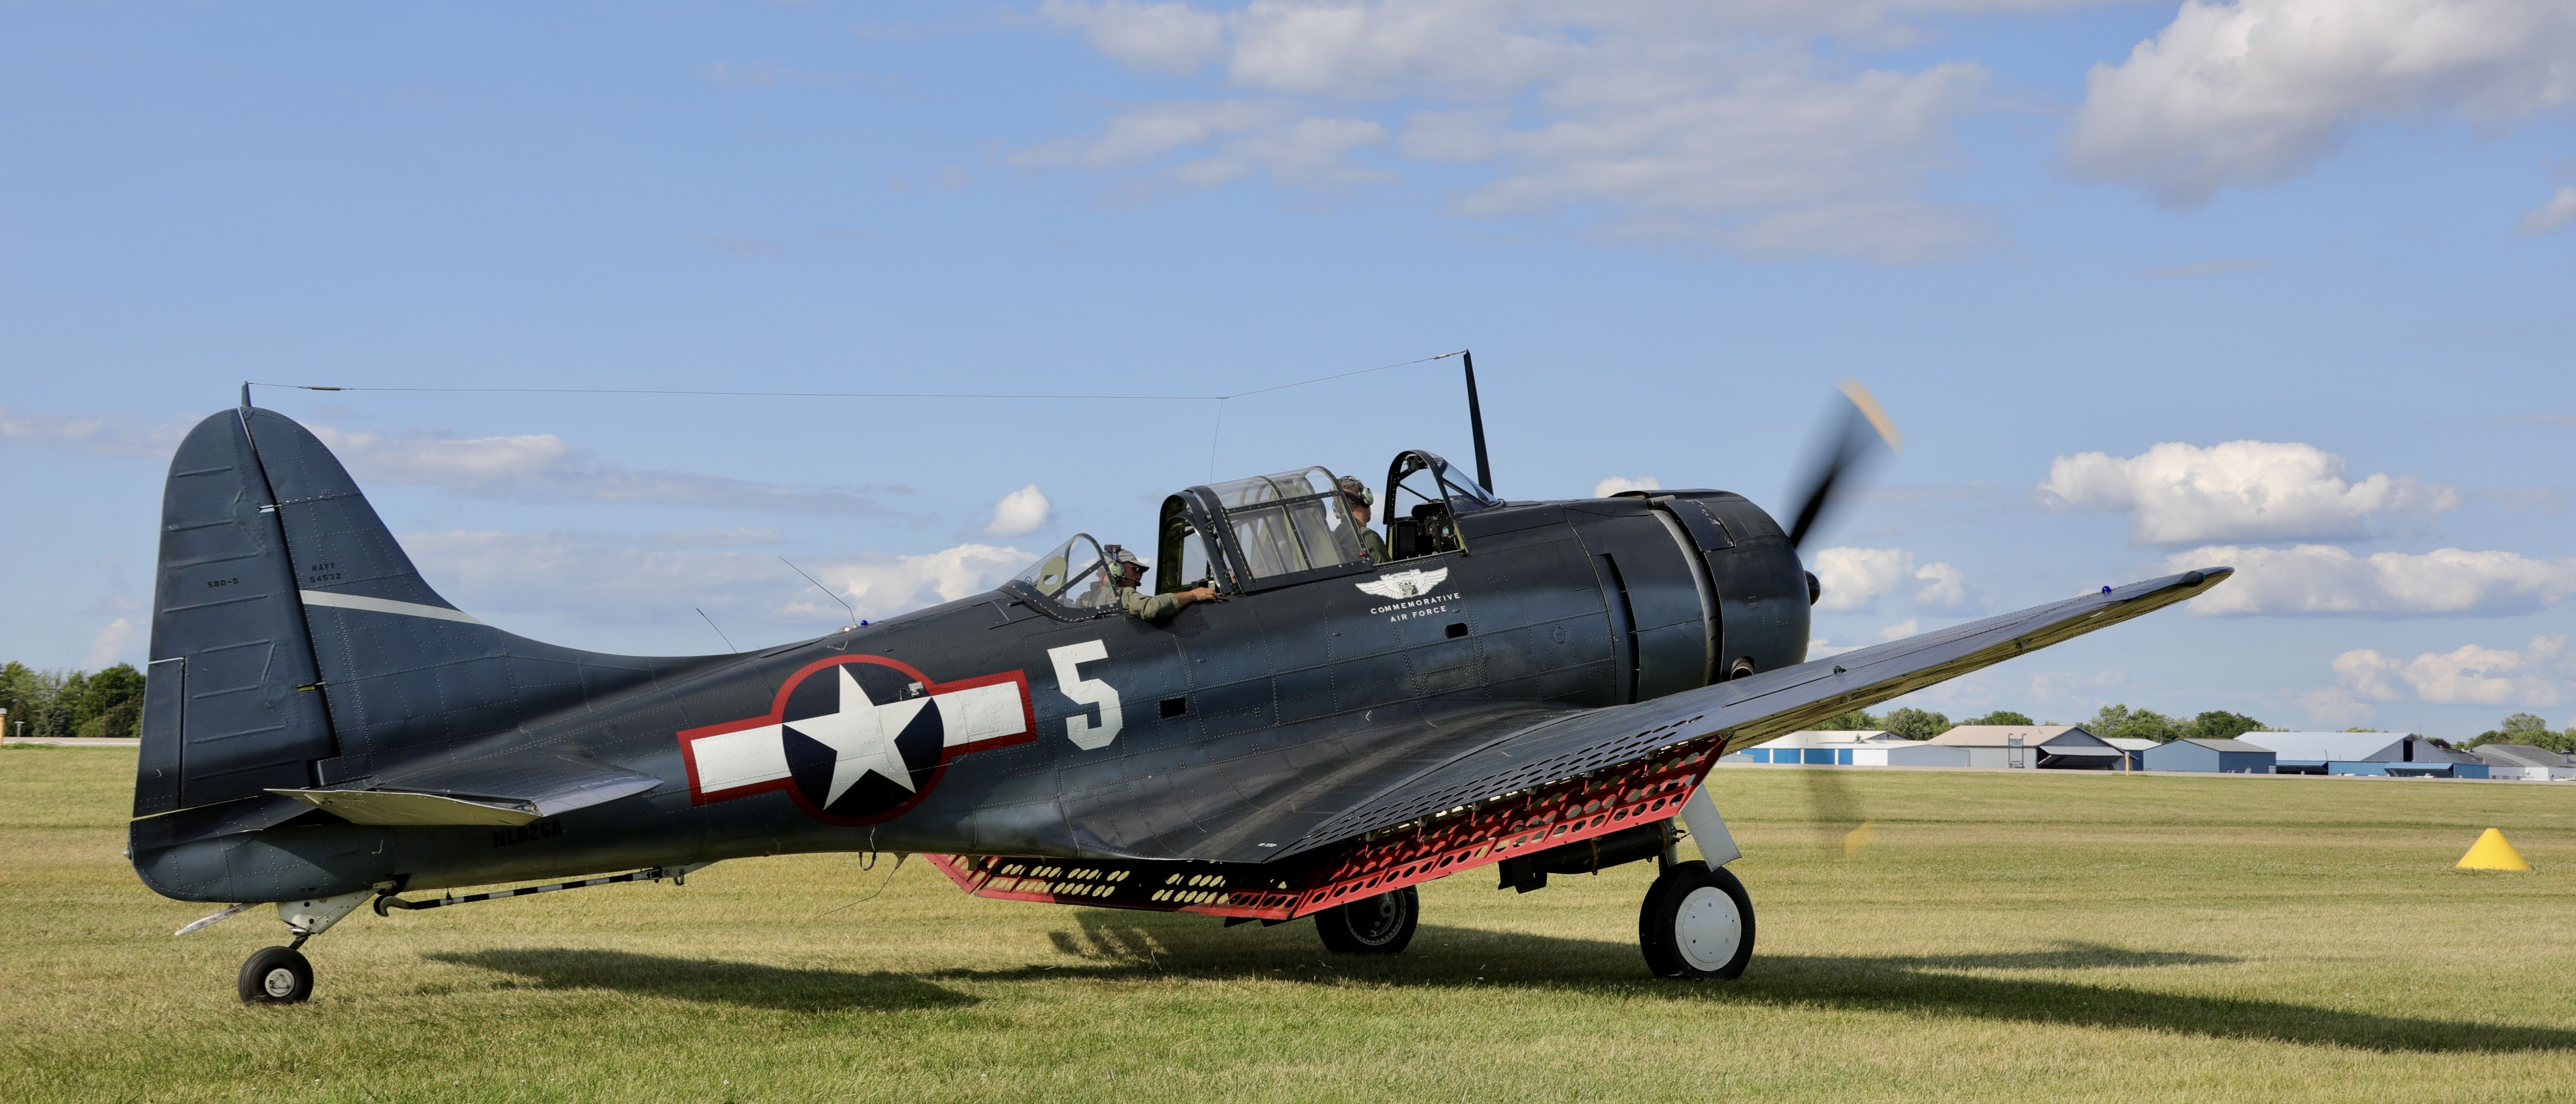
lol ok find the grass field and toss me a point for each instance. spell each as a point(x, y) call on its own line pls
point(2005, 937)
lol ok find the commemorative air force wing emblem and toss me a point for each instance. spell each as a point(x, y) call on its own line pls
point(856, 739)
point(1405, 584)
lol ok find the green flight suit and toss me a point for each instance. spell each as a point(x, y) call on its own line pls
point(1149, 607)
point(1373, 544)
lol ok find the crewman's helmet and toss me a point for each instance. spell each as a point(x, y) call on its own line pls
point(1355, 491)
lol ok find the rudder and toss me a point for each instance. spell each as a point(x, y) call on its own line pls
point(230, 707)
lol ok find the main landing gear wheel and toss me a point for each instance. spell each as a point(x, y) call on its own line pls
point(1379, 925)
point(1697, 923)
point(276, 975)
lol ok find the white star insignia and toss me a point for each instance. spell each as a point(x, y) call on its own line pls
point(862, 734)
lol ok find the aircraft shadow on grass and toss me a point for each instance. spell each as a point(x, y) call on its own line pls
point(1126, 946)
point(782, 988)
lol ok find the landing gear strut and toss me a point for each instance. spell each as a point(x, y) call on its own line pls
point(1697, 922)
point(1379, 925)
point(281, 975)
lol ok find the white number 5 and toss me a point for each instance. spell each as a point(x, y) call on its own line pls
point(1078, 728)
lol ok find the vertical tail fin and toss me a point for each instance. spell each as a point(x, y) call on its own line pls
point(294, 644)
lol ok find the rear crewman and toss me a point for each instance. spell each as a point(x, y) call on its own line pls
point(1359, 498)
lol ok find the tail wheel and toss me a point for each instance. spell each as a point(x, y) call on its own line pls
point(276, 975)
point(1697, 923)
point(1379, 925)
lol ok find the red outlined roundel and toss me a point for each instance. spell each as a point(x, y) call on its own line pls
point(857, 739)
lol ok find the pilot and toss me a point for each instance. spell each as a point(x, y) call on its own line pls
point(1130, 573)
point(1360, 500)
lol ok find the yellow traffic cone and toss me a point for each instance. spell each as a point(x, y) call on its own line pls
point(2491, 852)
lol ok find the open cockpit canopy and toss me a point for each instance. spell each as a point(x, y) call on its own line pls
point(1267, 531)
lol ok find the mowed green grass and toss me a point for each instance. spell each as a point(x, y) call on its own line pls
point(2005, 937)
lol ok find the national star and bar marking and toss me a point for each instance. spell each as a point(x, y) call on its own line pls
point(855, 737)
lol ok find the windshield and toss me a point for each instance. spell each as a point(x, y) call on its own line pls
point(1071, 575)
point(1290, 522)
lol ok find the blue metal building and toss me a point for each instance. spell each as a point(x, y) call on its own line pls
point(2209, 756)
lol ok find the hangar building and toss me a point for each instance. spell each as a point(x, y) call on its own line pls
point(2133, 747)
point(1851, 749)
point(2387, 753)
point(2050, 747)
point(2213, 756)
point(2525, 762)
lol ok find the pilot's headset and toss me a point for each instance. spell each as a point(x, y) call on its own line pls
point(1130, 572)
point(1355, 491)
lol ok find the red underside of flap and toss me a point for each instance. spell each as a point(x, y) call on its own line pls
point(1605, 801)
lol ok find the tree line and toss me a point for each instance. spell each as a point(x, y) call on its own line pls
point(53, 705)
point(2122, 722)
point(2111, 722)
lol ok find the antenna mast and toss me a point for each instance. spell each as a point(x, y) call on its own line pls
point(1476, 422)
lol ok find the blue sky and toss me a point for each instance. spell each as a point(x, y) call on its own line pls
point(2296, 270)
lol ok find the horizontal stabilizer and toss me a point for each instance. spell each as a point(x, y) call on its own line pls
point(502, 791)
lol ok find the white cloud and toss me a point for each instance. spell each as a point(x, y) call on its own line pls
point(1020, 512)
point(1164, 38)
point(882, 586)
point(1720, 125)
point(92, 434)
point(2239, 490)
point(1250, 137)
point(2258, 91)
point(1854, 578)
point(1900, 630)
point(533, 467)
point(2335, 707)
point(544, 468)
point(1945, 586)
point(2468, 675)
point(1618, 483)
point(2368, 674)
point(2073, 692)
point(115, 643)
point(598, 580)
point(2321, 579)
point(1151, 131)
point(1308, 151)
point(715, 538)
point(2559, 211)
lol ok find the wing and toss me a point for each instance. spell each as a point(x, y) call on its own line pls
point(1383, 588)
point(1439, 795)
point(1743, 712)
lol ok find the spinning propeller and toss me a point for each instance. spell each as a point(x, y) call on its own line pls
point(1859, 436)
point(1854, 442)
